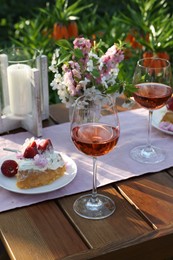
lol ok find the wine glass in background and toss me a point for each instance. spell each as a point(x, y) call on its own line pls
point(95, 132)
point(153, 80)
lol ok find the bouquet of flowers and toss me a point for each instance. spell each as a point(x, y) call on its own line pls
point(82, 68)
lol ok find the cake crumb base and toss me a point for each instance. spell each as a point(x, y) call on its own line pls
point(32, 179)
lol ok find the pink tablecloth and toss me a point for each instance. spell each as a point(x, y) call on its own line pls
point(115, 166)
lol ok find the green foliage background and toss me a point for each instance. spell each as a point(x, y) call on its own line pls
point(22, 23)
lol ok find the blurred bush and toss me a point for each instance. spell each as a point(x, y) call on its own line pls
point(11, 12)
point(145, 26)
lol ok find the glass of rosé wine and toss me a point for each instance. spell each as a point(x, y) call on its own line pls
point(95, 132)
point(153, 80)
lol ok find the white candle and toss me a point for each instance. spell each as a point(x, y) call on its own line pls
point(19, 85)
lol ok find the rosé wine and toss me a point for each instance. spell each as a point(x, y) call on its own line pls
point(95, 139)
point(152, 95)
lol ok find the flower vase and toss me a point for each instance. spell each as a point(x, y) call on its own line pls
point(70, 112)
point(71, 107)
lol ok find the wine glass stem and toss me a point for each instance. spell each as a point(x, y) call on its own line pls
point(94, 191)
point(149, 129)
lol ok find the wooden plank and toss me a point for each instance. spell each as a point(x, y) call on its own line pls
point(42, 232)
point(170, 171)
point(158, 248)
point(153, 194)
point(3, 253)
point(59, 113)
point(124, 226)
point(39, 232)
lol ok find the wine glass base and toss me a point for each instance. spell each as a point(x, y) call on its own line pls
point(90, 208)
point(150, 155)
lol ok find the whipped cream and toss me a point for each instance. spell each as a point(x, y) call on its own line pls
point(44, 159)
point(52, 161)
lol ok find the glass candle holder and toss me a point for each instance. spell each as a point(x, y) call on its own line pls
point(16, 65)
point(24, 92)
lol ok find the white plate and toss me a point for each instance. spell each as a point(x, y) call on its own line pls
point(69, 175)
point(156, 118)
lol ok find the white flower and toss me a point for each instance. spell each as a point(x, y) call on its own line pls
point(93, 55)
point(90, 65)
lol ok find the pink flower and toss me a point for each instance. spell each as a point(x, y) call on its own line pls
point(112, 57)
point(86, 70)
point(40, 160)
point(69, 80)
point(65, 67)
point(75, 68)
point(83, 44)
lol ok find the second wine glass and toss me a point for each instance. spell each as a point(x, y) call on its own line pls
point(153, 80)
point(95, 132)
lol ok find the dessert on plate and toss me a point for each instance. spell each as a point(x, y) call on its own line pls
point(38, 164)
point(166, 122)
point(168, 117)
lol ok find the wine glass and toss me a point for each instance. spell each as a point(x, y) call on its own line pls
point(153, 80)
point(95, 132)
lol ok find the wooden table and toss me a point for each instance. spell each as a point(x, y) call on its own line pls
point(141, 227)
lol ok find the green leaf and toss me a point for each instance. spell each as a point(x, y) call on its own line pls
point(113, 89)
point(95, 73)
point(78, 53)
point(63, 58)
point(74, 9)
point(64, 44)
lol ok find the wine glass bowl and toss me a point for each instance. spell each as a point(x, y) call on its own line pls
point(153, 81)
point(94, 132)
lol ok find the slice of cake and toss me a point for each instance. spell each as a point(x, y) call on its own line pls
point(39, 164)
point(168, 117)
point(166, 122)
